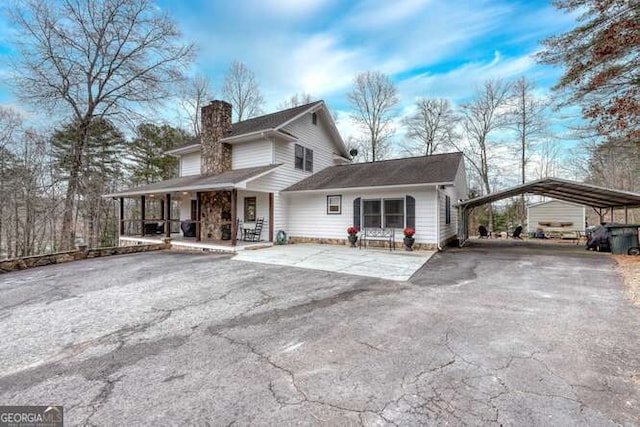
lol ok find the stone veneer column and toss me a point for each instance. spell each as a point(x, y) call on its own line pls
point(216, 124)
point(215, 159)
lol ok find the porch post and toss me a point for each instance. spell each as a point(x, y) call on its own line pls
point(271, 217)
point(626, 215)
point(167, 218)
point(142, 214)
point(121, 216)
point(198, 215)
point(234, 214)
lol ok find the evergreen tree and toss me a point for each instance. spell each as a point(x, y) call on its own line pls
point(150, 164)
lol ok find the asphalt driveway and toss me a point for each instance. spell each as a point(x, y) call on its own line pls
point(484, 335)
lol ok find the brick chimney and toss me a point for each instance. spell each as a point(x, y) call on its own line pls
point(216, 124)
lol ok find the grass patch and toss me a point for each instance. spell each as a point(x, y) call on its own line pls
point(629, 266)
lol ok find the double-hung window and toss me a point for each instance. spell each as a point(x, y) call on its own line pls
point(250, 209)
point(303, 158)
point(393, 213)
point(371, 213)
point(387, 213)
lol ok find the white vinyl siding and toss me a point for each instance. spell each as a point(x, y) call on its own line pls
point(456, 192)
point(250, 154)
point(262, 211)
point(555, 211)
point(307, 213)
point(190, 164)
point(313, 137)
point(185, 208)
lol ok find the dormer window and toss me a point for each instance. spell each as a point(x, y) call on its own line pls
point(314, 118)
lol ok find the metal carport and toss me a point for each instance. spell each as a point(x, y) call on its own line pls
point(601, 199)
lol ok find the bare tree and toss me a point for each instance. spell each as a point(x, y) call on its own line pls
point(431, 126)
point(296, 100)
point(241, 89)
point(10, 122)
point(484, 114)
point(373, 98)
point(195, 93)
point(546, 162)
point(92, 59)
point(528, 120)
point(529, 124)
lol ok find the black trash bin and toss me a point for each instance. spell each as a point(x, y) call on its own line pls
point(225, 231)
point(623, 237)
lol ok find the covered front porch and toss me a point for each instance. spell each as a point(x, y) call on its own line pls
point(197, 212)
point(180, 242)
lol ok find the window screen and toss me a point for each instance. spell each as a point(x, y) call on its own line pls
point(394, 213)
point(308, 160)
point(372, 213)
point(299, 157)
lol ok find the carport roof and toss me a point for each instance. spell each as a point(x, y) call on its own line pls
point(561, 189)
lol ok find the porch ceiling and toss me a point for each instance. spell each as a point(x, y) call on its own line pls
point(227, 180)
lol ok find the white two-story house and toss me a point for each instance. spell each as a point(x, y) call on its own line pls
point(289, 174)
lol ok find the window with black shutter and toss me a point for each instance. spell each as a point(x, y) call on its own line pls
point(447, 210)
point(356, 213)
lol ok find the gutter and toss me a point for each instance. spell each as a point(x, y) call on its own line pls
point(372, 187)
point(438, 246)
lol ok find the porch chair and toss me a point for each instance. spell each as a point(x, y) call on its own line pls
point(253, 234)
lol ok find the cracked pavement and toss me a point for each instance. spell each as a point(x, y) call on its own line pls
point(498, 333)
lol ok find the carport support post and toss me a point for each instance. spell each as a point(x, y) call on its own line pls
point(167, 219)
point(121, 216)
point(234, 214)
point(142, 214)
point(626, 215)
point(612, 215)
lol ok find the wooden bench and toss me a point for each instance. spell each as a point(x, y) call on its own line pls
point(380, 235)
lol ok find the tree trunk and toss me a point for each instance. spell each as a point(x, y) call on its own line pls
point(68, 218)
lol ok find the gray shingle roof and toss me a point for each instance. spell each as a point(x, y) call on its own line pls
point(199, 182)
point(414, 170)
point(261, 123)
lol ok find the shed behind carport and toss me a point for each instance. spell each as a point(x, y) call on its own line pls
point(602, 200)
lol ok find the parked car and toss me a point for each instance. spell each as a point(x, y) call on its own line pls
point(599, 239)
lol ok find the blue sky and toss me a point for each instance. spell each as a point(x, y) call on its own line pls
point(430, 48)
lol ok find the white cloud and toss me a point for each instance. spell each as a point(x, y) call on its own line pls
point(374, 14)
point(459, 83)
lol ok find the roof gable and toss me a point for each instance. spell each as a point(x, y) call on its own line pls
point(435, 169)
point(272, 122)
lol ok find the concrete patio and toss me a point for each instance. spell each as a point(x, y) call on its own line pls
point(379, 263)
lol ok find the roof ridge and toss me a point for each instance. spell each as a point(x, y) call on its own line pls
point(278, 112)
point(404, 158)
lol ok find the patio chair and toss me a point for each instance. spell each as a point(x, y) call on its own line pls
point(188, 228)
point(517, 232)
point(253, 234)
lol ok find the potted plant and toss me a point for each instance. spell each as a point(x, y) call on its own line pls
point(353, 235)
point(408, 238)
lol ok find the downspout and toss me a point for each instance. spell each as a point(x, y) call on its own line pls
point(438, 218)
